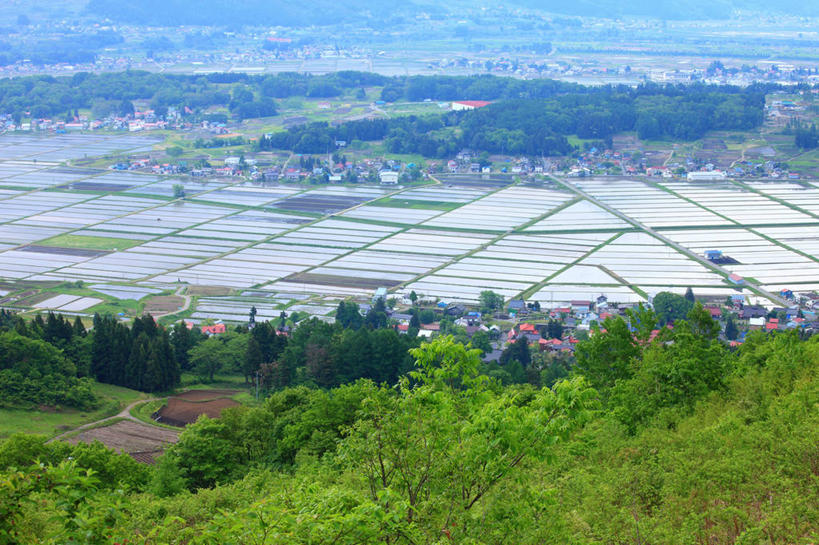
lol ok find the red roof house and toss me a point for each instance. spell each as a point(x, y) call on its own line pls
point(214, 329)
point(716, 312)
point(469, 104)
point(772, 325)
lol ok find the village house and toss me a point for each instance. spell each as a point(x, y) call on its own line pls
point(388, 177)
point(756, 324)
point(753, 311)
point(215, 329)
point(580, 308)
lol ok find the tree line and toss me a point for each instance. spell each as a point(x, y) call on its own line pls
point(47, 96)
point(52, 360)
point(44, 363)
point(540, 125)
point(806, 138)
point(590, 112)
point(140, 357)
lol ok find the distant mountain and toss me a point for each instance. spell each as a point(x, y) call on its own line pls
point(670, 9)
point(328, 12)
point(246, 12)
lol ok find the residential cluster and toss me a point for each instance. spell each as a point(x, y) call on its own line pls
point(560, 329)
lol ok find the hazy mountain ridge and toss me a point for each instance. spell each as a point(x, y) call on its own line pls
point(669, 9)
point(244, 12)
point(326, 12)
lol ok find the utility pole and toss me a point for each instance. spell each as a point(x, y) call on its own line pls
point(257, 385)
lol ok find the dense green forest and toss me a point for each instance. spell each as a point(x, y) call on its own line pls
point(51, 361)
point(675, 439)
point(526, 117)
point(601, 109)
point(806, 137)
point(48, 95)
point(539, 126)
point(246, 96)
point(44, 363)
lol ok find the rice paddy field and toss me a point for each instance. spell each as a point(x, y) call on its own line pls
point(303, 248)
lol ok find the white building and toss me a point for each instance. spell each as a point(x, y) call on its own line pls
point(468, 104)
point(388, 177)
point(706, 176)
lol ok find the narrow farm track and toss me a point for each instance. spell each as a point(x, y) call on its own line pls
point(185, 306)
point(124, 413)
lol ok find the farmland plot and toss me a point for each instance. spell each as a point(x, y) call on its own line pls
point(69, 146)
point(246, 195)
point(375, 268)
point(159, 220)
point(739, 205)
point(329, 200)
point(437, 193)
point(388, 214)
point(31, 204)
point(338, 234)
point(802, 194)
point(509, 266)
point(642, 260)
point(68, 303)
point(115, 181)
point(25, 262)
point(423, 241)
point(502, 211)
point(772, 265)
point(48, 177)
point(648, 204)
point(580, 216)
point(255, 265)
point(88, 212)
point(165, 187)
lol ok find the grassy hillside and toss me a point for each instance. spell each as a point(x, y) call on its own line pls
point(51, 421)
point(451, 457)
point(743, 468)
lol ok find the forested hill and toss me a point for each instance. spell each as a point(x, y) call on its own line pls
point(673, 439)
point(527, 117)
point(540, 126)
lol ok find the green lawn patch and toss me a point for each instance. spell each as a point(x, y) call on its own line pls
point(245, 398)
point(578, 142)
point(53, 421)
point(143, 412)
point(398, 202)
point(191, 381)
point(90, 243)
point(125, 306)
